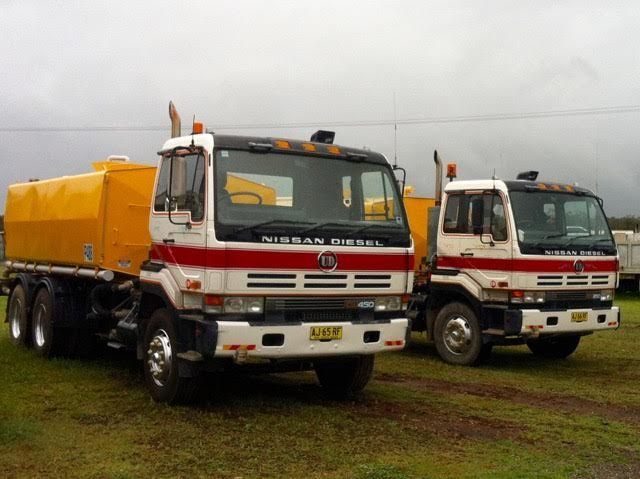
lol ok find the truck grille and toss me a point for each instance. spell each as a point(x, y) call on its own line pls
point(558, 300)
point(304, 304)
point(318, 281)
point(574, 280)
point(303, 309)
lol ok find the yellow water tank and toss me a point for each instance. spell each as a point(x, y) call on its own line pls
point(98, 219)
point(418, 215)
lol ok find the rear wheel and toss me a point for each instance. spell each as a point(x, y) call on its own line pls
point(161, 362)
point(558, 347)
point(345, 379)
point(47, 339)
point(457, 335)
point(18, 317)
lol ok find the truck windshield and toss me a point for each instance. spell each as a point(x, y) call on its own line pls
point(561, 223)
point(288, 198)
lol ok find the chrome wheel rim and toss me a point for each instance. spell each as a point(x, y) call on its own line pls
point(159, 357)
point(40, 325)
point(457, 335)
point(15, 314)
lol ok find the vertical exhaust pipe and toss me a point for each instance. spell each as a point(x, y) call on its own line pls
point(436, 159)
point(176, 129)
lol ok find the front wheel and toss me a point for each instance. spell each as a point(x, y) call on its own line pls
point(18, 317)
point(345, 379)
point(558, 347)
point(161, 362)
point(457, 335)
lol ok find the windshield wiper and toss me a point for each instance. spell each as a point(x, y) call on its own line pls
point(367, 227)
point(549, 236)
point(318, 226)
point(572, 239)
point(269, 223)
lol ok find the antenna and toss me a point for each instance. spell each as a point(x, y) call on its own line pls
point(597, 194)
point(395, 131)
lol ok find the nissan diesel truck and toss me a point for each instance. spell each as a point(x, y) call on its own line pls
point(236, 253)
point(503, 262)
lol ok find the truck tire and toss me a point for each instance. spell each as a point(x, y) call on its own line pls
point(161, 362)
point(18, 317)
point(345, 379)
point(47, 339)
point(458, 337)
point(558, 347)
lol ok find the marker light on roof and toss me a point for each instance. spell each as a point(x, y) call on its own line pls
point(334, 150)
point(308, 147)
point(198, 127)
point(452, 171)
point(282, 144)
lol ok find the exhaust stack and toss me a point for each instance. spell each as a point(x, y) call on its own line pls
point(436, 159)
point(176, 129)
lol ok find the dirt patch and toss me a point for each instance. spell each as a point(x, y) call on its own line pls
point(549, 401)
point(612, 471)
point(452, 426)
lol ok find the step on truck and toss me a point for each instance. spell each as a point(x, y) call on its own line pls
point(236, 253)
point(502, 262)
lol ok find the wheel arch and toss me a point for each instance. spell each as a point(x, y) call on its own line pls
point(28, 283)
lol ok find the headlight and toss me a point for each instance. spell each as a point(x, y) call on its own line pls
point(528, 297)
point(388, 303)
point(242, 304)
point(605, 295)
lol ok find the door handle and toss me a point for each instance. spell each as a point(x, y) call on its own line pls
point(168, 240)
point(466, 254)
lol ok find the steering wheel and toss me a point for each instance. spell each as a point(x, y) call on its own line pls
point(243, 193)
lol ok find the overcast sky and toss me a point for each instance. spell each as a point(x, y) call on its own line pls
point(86, 64)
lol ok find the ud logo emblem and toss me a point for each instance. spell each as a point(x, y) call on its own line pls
point(578, 266)
point(327, 261)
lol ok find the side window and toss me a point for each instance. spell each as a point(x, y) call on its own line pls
point(464, 214)
point(161, 201)
point(452, 214)
point(475, 214)
point(190, 194)
point(188, 185)
point(498, 220)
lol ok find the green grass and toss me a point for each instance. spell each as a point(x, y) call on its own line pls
point(514, 417)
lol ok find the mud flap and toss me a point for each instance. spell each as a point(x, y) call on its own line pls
point(512, 322)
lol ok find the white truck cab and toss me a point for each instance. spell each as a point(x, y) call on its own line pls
point(275, 253)
point(518, 261)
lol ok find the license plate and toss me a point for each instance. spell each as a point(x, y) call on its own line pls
point(325, 333)
point(579, 316)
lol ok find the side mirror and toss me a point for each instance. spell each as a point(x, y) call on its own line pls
point(177, 182)
point(400, 182)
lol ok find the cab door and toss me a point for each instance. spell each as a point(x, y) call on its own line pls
point(178, 220)
point(475, 237)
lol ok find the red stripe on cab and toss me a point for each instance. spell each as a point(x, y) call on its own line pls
point(528, 265)
point(221, 258)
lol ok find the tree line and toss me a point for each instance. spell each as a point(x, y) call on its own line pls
point(628, 222)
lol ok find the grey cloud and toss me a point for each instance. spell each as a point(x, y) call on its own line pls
point(244, 62)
